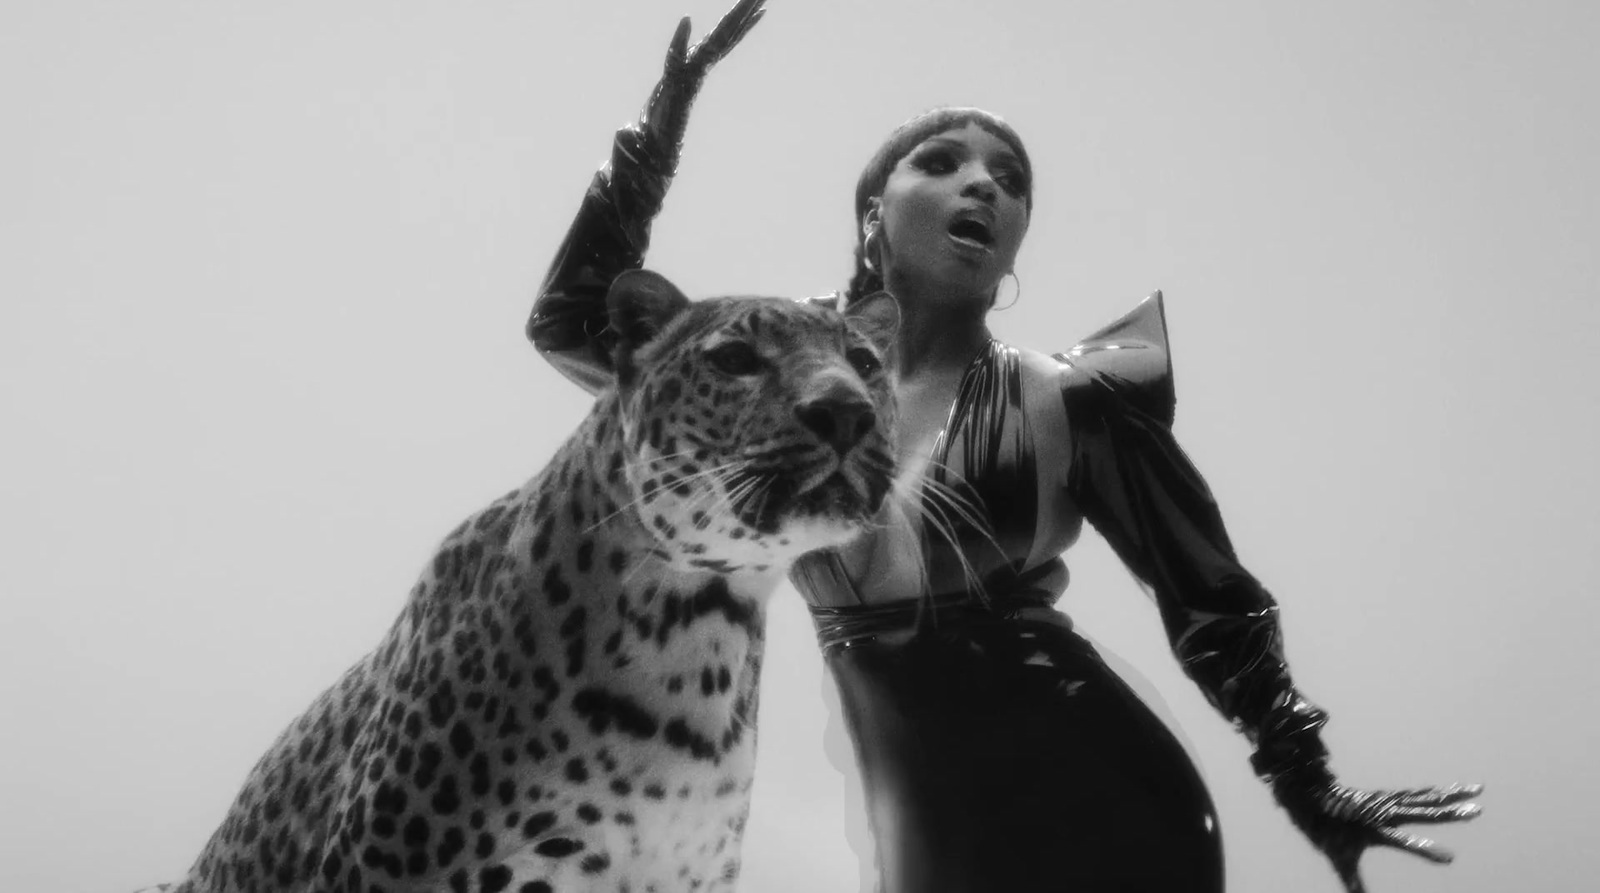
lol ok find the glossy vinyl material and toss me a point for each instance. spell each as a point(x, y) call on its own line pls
point(989, 735)
point(608, 237)
point(999, 752)
point(1136, 486)
point(1129, 478)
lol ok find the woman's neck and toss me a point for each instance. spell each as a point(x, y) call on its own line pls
point(938, 332)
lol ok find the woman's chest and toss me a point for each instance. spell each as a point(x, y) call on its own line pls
point(926, 409)
point(976, 501)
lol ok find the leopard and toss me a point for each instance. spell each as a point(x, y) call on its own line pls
point(567, 700)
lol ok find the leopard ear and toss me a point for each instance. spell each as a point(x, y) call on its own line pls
point(876, 316)
point(640, 304)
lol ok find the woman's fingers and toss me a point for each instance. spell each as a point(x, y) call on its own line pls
point(1358, 819)
point(1448, 794)
point(678, 49)
point(1459, 812)
point(1414, 844)
point(1436, 796)
point(727, 33)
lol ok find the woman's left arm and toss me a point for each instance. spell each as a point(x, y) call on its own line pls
point(1135, 485)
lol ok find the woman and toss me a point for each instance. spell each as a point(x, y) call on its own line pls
point(997, 750)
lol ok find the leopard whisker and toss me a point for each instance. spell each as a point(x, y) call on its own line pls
point(965, 508)
point(640, 500)
point(743, 490)
point(721, 484)
point(752, 481)
point(761, 495)
point(933, 515)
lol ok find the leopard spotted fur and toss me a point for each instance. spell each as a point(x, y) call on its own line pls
point(566, 701)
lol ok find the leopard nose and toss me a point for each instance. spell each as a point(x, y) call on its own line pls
point(841, 421)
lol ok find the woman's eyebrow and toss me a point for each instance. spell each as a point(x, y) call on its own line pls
point(1004, 156)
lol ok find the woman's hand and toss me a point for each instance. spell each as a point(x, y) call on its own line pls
point(1342, 821)
point(666, 115)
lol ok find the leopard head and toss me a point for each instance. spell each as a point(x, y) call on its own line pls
point(753, 429)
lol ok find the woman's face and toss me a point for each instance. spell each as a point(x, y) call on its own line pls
point(953, 212)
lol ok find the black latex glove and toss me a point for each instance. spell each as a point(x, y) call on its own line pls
point(1343, 822)
point(666, 116)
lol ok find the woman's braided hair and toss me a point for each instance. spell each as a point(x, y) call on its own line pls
point(905, 138)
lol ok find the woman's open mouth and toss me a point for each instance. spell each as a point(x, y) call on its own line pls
point(972, 233)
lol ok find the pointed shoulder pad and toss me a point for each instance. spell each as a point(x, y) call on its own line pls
point(1128, 358)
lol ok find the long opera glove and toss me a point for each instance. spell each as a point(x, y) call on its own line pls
point(1136, 486)
point(611, 232)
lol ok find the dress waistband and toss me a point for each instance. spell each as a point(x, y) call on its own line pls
point(843, 626)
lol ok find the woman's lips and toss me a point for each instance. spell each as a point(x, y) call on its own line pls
point(969, 229)
point(970, 246)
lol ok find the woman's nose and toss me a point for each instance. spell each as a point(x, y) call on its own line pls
point(981, 185)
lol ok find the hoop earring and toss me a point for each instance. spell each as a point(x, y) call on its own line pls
point(869, 247)
point(1014, 298)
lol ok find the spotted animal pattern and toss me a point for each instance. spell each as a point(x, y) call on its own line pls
point(567, 700)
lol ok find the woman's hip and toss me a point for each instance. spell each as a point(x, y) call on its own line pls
point(1008, 749)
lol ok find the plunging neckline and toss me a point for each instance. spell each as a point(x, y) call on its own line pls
point(938, 457)
point(937, 466)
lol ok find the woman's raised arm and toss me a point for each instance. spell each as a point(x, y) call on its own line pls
point(612, 230)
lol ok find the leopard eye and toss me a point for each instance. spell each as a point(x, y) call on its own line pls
point(735, 358)
point(865, 361)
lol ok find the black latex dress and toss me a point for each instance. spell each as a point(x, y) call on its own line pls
point(997, 750)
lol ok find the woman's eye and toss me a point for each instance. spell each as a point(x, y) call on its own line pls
point(864, 361)
point(1014, 182)
point(735, 358)
point(936, 162)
